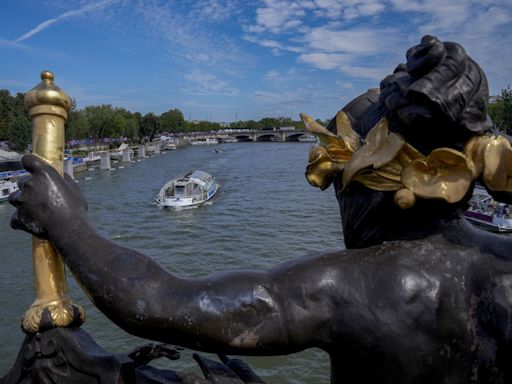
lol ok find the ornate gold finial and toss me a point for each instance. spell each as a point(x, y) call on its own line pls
point(47, 93)
point(48, 108)
point(384, 161)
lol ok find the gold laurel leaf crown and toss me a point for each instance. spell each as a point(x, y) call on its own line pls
point(384, 161)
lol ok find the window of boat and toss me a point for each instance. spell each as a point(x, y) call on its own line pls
point(5, 192)
point(179, 189)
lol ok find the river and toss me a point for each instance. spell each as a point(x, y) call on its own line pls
point(265, 213)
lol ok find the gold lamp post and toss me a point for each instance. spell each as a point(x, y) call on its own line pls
point(48, 108)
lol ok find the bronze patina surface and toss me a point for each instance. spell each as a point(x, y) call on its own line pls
point(418, 296)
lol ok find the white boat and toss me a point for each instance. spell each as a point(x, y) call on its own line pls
point(204, 141)
point(7, 187)
point(167, 146)
point(117, 154)
point(487, 213)
point(307, 139)
point(194, 188)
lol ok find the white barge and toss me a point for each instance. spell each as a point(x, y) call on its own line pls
point(194, 188)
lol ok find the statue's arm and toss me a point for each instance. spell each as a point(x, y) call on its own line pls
point(274, 312)
point(234, 312)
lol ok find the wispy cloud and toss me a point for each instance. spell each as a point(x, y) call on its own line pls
point(215, 11)
point(185, 35)
point(66, 15)
point(273, 43)
point(275, 56)
point(207, 84)
point(325, 60)
point(11, 44)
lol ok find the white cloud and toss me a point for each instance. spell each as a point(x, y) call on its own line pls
point(373, 73)
point(10, 44)
point(215, 10)
point(358, 41)
point(324, 60)
point(273, 44)
point(207, 84)
point(183, 35)
point(272, 75)
point(277, 78)
point(66, 15)
point(279, 16)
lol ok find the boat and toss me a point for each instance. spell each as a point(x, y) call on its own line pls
point(204, 141)
point(168, 146)
point(117, 154)
point(307, 139)
point(487, 213)
point(194, 188)
point(7, 186)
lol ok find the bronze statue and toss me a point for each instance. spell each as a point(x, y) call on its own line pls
point(419, 295)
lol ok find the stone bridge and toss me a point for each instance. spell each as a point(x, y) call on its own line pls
point(264, 135)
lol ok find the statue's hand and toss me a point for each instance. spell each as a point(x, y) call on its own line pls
point(45, 199)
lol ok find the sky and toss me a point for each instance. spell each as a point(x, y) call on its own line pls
point(228, 60)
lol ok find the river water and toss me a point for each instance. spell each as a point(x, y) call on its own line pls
point(265, 213)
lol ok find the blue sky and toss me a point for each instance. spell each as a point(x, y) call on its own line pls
point(222, 60)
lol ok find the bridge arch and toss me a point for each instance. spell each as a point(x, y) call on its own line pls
point(270, 136)
point(243, 138)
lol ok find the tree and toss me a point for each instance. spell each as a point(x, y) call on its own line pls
point(77, 125)
point(6, 102)
point(268, 122)
point(132, 128)
point(18, 106)
point(501, 111)
point(172, 121)
point(104, 121)
point(150, 125)
point(19, 133)
point(251, 124)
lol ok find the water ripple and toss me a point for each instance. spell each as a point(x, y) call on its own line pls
point(264, 214)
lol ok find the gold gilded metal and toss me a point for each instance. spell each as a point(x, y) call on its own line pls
point(344, 129)
point(380, 148)
point(48, 108)
point(444, 174)
point(385, 162)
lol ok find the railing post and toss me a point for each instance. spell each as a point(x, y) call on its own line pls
point(48, 108)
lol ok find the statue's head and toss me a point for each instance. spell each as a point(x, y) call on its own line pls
point(406, 155)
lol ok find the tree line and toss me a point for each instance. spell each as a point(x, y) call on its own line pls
point(107, 121)
point(500, 111)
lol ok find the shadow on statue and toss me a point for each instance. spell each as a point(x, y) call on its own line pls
point(419, 295)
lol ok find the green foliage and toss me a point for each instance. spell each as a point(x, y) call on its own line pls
point(501, 111)
point(132, 128)
point(266, 123)
point(172, 121)
point(19, 133)
point(18, 106)
point(150, 126)
point(6, 103)
point(202, 126)
point(104, 121)
point(77, 126)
